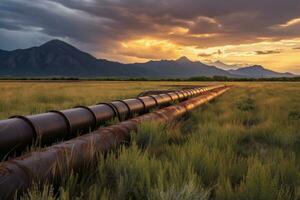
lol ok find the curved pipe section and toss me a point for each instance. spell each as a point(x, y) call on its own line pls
point(186, 94)
point(162, 99)
point(181, 95)
point(149, 102)
point(165, 99)
point(174, 96)
point(103, 112)
point(136, 106)
point(123, 109)
point(80, 119)
point(17, 134)
point(50, 126)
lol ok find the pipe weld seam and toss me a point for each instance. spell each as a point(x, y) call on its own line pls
point(114, 108)
point(69, 125)
point(36, 133)
point(93, 114)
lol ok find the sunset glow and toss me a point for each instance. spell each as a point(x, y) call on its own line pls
point(280, 55)
point(129, 31)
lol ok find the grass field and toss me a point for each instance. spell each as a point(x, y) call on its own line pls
point(32, 97)
point(243, 145)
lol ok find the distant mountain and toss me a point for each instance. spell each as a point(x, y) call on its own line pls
point(182, 67)
point(258, 71)
point(224, 66)
point(58, 58)
point(183, 59)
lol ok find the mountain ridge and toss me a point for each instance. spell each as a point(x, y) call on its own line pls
point(225, 66)
point(182, 67)
point(258, 71)
point(58, 58)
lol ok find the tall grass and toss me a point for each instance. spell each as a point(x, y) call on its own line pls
point(32, 97)
point(244, 145)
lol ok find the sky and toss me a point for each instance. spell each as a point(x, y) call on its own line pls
point(241, 32)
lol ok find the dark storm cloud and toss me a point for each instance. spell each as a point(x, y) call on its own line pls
point(102, 24)
point(51, 19)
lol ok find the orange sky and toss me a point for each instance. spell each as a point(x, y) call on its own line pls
point(281, 55)
point(263, 32)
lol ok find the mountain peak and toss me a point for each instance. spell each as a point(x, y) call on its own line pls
point(183, 59)
point(258, 67)
point(258, 71)
point(55, 42)
point(253, 68)
point(59, 47)
point(222, 65)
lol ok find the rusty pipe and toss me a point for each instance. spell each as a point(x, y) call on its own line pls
point(53, 162)
point(21, 131)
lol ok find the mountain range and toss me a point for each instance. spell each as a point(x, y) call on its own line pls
point(224, 66)
point(58, 58)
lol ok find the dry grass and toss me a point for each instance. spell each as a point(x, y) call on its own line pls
point(32, 97)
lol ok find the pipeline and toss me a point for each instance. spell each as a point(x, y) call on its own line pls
point(19, 132)
point(55, 161)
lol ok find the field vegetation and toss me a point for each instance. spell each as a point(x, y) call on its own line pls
point(32, 97)
point(243, 145)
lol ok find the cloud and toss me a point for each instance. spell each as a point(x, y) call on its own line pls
point(103, 25)
point(290, 23)
point(149, 49)
point(267, 52)
point(204, 25)
point(205, 55)
point(215, 53)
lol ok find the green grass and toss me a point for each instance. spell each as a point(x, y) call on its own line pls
point(243, 145)
point(32, 97)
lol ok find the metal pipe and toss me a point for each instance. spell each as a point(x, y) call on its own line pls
point(136, 106)
point(181, 95)
point(46, 128)
point(55, 161)
point(122, 108)
point(163, 99)
point(149, 102)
